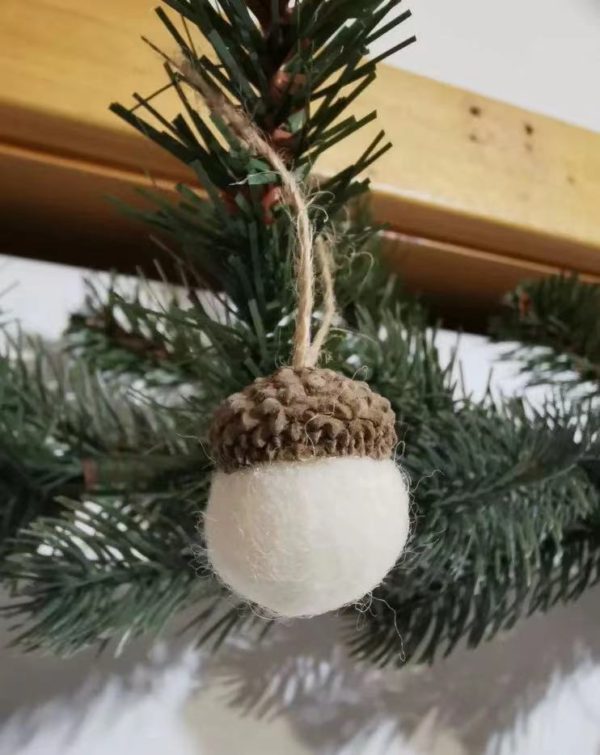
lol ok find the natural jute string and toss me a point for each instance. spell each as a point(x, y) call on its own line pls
point(305, 352)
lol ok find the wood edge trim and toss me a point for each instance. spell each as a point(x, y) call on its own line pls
point(392, 239)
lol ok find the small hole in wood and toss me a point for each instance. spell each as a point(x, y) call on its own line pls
point(473, 138)
point(529, 130)
point(475, 111)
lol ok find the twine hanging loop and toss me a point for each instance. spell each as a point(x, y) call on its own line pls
point(305, 349)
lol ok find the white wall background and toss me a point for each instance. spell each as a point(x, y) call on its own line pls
point(534, 692)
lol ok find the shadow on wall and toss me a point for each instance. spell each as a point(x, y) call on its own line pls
point(31, 679)
point(125, 714)
point(489, 700)
point(480, 698)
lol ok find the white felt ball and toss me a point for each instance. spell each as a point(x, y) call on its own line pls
point(303, 538)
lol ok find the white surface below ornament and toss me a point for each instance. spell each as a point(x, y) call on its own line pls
point(301, 538)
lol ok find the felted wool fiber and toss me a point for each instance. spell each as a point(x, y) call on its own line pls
point(301, 538)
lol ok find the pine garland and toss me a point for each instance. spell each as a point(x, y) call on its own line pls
point(103, 462)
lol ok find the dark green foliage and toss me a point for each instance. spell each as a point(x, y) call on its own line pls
point(129, 577)
point(560, 316)
point(240, 238)
point(33, 467)
point(505, 508)
point(499, 490)
point(103, 455)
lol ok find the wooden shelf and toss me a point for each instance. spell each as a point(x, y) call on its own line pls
point(477, 194)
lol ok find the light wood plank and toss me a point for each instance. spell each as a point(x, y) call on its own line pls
point(511, 190)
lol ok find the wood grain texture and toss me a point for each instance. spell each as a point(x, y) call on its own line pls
point(462, 285)
point(477, 193)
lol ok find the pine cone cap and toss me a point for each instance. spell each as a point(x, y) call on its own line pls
point(298, 415)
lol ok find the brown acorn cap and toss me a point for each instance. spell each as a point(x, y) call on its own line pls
point(298, 415)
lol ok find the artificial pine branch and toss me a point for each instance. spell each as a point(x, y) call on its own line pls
point(114, 585)
point(555, 320)
point(241, 238)
point(134, 334)
point(66, 431)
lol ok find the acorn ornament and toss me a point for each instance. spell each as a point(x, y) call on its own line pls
point(307, 510)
